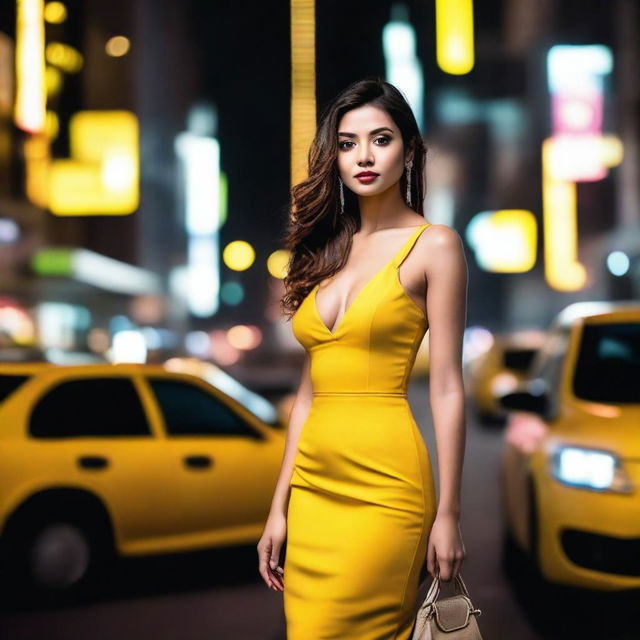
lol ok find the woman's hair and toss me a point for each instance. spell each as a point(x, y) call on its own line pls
point(318, 237)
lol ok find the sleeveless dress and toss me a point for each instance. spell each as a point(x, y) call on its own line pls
point(362, 498)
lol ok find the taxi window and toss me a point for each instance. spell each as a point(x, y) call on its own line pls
point(188, 410)
point(8, 384)
point(90, 407)
point(608, 367)
point(518, 359)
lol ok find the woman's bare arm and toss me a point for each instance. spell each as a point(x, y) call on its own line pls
point(275, 531)
point(299, 413)
point(446, 303)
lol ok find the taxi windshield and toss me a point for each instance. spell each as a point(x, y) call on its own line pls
point(608, 365)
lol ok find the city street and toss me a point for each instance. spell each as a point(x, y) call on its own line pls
point(219, 596)
point(213, 214)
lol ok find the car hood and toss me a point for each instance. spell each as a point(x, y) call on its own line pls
point(610, 427)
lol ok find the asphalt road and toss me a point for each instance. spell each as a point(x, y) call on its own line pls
point(219, 595)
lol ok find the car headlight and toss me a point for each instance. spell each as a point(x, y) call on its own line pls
point(590, 469)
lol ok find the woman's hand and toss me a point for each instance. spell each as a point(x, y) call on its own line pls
point(445, 552)
point(269, 546)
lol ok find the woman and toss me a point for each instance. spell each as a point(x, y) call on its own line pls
point(355, 499)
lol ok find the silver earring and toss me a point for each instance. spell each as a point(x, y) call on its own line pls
point(341, 196)
point(408, 197)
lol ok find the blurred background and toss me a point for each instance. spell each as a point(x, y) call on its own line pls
point(147, 374)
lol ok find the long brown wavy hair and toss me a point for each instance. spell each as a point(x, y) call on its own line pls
point(317, 236)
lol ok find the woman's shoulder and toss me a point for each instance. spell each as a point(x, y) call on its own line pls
point(440, 245)
point(441, 235)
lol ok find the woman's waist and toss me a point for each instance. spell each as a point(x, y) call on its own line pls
point(361, 392)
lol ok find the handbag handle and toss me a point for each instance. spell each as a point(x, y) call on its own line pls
point(434, 589)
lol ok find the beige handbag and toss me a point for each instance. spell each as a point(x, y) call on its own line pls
point(450, 618)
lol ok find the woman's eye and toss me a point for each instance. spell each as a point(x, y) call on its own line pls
point(384, 140)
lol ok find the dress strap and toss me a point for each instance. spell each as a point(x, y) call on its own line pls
point(404, 251)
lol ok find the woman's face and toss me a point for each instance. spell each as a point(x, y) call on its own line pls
point(369, 140)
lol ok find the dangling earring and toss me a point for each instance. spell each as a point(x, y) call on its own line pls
point(341, 196)
point(408, 197)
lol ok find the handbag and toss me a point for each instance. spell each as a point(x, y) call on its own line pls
point(450, 618)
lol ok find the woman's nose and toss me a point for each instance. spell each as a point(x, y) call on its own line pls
point(366, 157)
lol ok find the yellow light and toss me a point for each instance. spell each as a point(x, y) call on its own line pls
point(303, 85)
point(117, 46)
point(102, 175)
point(611, 150)
point(37, 163)
point(64, 57)
point(55, 12)
point(238, 255)
point(53, 81)
point(52, 125)
point(516, 231)
point(454, 36)
point(29, 109)
point(277, 263)
point(563, 271)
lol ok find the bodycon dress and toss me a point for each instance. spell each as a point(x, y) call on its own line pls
point(362, 498)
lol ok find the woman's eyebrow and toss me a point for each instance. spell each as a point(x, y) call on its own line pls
point(353, 135)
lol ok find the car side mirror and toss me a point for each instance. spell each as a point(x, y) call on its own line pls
point(525, 401)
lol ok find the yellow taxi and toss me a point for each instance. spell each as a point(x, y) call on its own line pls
point(499, 370)
point(124, 458)
point(570, 474)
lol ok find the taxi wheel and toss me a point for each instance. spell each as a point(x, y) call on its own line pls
point(56, 556)
point(59, 556)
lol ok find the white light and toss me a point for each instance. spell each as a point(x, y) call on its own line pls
point(576, 158)
point(618, 263)
point(118, 171)
point(113, 275)
point(403, 67)
point(129, 346)
point(198, 343)
point(152, 337)
point(9, 231)
point(203, 286)
point(590, 468)
point(588, 308)
point(57, 324)
point(178, 281)
point(200, 158)
point(577, 68)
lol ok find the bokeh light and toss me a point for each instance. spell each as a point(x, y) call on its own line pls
point(117, 46)
point(238, 255)
point(277, 263)
point(55, 12)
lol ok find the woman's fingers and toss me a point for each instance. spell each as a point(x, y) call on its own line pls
point(275, 569)
point(458, 564)
point(272, 577)
point(264, 553)
point(277, 575)
point(431, 560)
point(450, 566)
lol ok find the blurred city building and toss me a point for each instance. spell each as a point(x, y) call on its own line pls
point(145, 160)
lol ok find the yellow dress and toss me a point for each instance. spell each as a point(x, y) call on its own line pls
point(362, 498)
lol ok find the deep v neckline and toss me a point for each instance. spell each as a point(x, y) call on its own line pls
point(364, 287)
